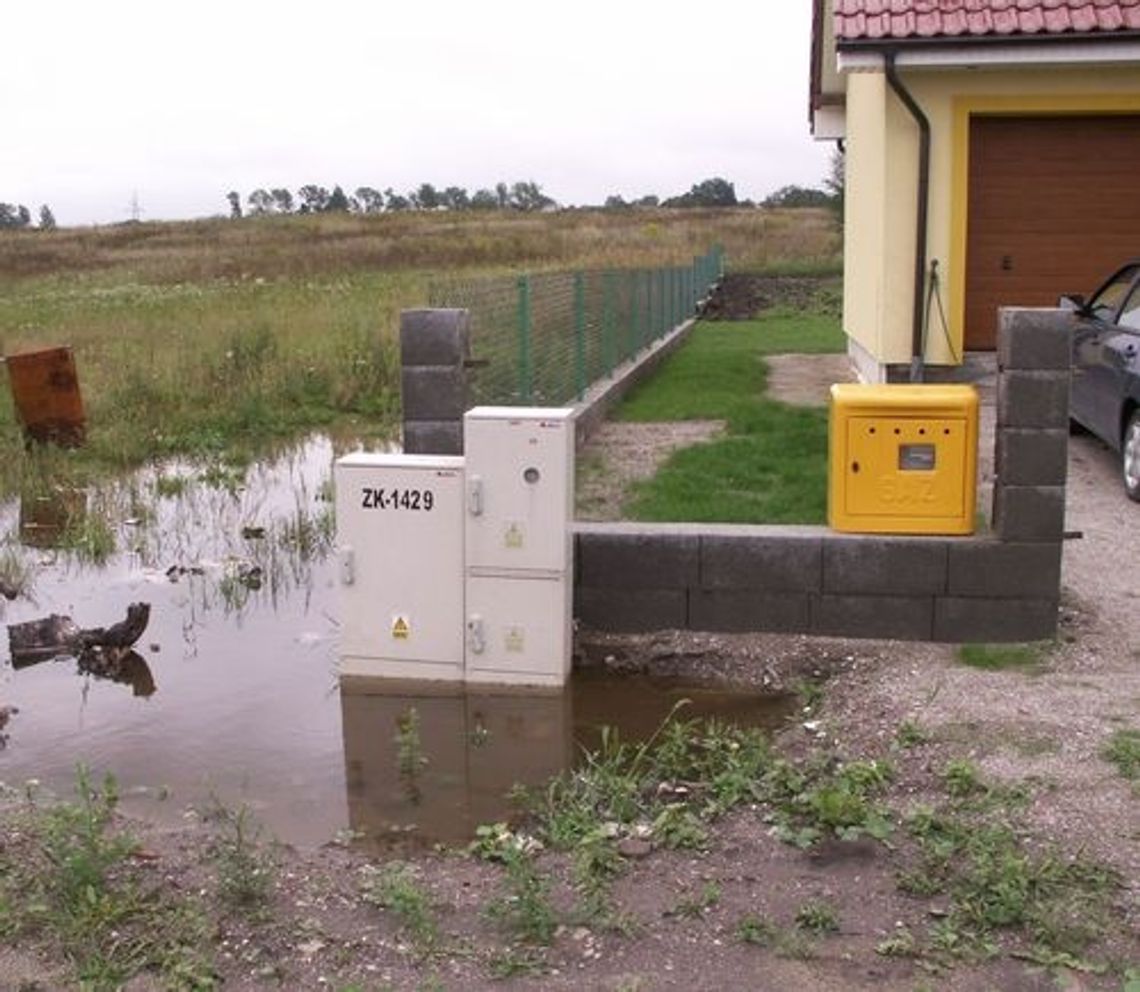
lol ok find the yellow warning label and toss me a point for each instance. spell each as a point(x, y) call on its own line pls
point(513, 536)
point(401, 629)
point(515, 639)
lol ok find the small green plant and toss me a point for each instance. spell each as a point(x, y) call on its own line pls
point(677, 826)
point(514, 962)
point(410, 758)
point(910, 734)
point(17, 574)
point(245, 868)
point(395, 888)
point(810, 693)
point(785, 942)
point(752, 928)
point(900, 944)
point(817, 916)
point(90, 537)
point(67, 879)
point(1001, 657)
point(171, 486)
point(960, 776)
point(1123, 750)
point(524, 909)
point(693, 905)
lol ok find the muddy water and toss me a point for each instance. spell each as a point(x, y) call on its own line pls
point(428, 764)
point(233, 695)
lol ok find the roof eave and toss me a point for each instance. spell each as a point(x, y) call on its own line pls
point(960, 40)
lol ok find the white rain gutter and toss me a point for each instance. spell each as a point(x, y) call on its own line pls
point(959, 55)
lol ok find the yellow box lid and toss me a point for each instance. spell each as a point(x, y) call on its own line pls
point(902, 398)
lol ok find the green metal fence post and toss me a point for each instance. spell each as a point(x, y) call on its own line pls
point(645, 279)
point(608, 361)
point(634, 315)
point(523, 321)
point(580, 333)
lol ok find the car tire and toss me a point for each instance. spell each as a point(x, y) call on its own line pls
point(1130, 457)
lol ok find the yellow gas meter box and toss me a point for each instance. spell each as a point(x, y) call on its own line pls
point(903, 459)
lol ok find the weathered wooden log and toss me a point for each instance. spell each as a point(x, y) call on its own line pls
point(54, 636)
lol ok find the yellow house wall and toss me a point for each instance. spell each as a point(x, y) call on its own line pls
point(878, 306)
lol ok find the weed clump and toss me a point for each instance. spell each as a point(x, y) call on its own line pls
point(1123, 750)
point(68, 882)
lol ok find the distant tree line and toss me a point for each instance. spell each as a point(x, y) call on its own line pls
point(314, 199)
point(522, 196)
point(15, 216)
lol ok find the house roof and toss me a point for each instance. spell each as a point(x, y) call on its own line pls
point(933, 20)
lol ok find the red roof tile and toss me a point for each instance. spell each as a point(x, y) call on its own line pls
point(865, 20)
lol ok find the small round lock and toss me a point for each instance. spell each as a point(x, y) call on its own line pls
point(531, 475)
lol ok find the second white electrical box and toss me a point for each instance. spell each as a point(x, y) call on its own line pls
point(518, 629)
point(520, 487)
point(400, 545)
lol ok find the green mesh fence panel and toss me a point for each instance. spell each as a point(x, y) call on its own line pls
point(543, 339)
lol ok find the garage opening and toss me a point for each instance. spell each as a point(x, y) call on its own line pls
point(1053, 208)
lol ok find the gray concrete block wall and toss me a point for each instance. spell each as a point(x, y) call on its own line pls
point(434, 347)
point(1002, 586)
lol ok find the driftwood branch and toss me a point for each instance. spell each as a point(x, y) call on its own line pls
point(56, 636)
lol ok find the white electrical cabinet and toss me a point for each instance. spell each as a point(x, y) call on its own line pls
point(518, 629)
point(400, 523)
point(520, 486)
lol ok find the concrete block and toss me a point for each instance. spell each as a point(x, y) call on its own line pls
point(1033, 399)
point(433, 437)
point(997, 568)
point(631, 610)
point(1034, 338)
point(884, 565)
point(736, 610)
point(1029, 513)
point(778, 564)
point(433, 393)
point(962, 620)
point(434, 337)
point(1027, 457)
point(906, 618)
point(637, 560)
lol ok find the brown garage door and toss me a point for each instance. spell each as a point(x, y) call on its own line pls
point(1054, 207)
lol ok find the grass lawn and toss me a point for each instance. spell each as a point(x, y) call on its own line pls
point(771, 465)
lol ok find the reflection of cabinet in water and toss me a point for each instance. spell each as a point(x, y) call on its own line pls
point(429, 762)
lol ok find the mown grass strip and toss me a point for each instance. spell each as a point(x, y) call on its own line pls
point(771, 466)
point(1001, 657)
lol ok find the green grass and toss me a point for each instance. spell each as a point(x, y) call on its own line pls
point(1123, 750)
point(772, 464)
point(70, 887)
point(721, 373)
point(1001, 657)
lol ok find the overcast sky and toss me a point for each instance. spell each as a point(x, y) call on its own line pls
point(183, 102)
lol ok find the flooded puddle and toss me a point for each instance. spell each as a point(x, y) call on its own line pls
point(231, 693)
point(427, 765)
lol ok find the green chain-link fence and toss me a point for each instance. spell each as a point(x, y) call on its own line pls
point(541, 340)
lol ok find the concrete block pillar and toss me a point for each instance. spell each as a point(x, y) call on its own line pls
point(1031, 457)
point(434, 349)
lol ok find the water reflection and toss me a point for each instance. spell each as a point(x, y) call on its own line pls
point(46, 517)
point(428, 762)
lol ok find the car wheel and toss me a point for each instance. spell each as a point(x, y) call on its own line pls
point(1130, 457)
